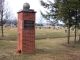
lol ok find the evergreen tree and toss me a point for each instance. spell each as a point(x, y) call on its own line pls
point(67, 11)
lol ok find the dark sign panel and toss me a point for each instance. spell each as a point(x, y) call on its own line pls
point(28, 24)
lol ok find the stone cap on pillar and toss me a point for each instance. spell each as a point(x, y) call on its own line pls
point(26, 8)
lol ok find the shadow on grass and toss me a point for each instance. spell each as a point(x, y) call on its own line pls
point(72, 45)
point(50, 51)
point(11, 38)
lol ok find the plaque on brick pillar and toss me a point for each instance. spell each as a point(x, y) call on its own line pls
point(26, 30)
point(28, 24)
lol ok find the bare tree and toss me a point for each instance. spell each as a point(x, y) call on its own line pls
point(1, 14)
point(4, 15)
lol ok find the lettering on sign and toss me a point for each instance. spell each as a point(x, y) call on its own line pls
point(28, 24)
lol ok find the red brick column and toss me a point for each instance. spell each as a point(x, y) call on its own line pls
point(26, 31)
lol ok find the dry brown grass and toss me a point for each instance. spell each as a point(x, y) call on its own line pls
point(49, 49)
point(46, 49)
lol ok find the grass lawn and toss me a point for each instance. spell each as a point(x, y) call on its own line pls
point(52, 33)
point(47, 48)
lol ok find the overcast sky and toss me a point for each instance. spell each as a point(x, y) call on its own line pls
point(16, 5)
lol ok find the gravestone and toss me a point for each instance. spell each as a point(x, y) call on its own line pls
point(26, 30)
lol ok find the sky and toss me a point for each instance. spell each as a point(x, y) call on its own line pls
point(16, 5)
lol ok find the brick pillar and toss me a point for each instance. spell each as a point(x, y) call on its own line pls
point(26, 31)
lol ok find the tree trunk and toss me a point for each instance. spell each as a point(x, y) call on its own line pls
point(75, 27)
point(68, 34)
point(79, 38)
point(2, 24)
point(75, 35)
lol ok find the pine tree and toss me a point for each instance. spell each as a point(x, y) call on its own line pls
point(67, 11)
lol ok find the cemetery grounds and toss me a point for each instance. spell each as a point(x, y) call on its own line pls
point(51, 44)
